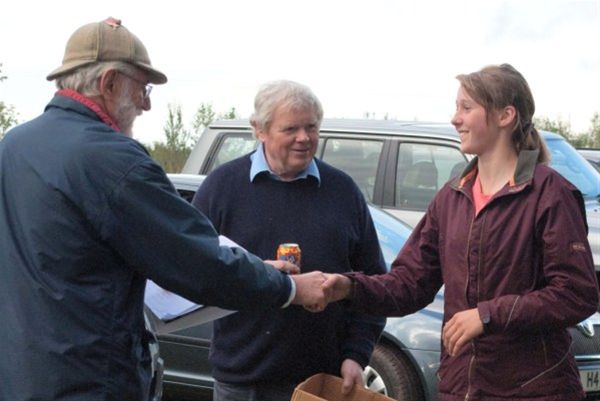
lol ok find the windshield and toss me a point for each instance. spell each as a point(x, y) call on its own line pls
point(392, 233)
point(571, 165)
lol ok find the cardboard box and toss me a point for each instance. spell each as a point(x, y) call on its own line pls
point(324, 387)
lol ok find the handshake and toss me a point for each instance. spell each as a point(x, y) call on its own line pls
point(315, 290)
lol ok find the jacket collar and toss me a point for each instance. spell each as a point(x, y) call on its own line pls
point(523, 173)
point(259, 165)
point(70, 99)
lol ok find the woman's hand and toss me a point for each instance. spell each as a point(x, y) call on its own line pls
point(337, 287)
point(462, 328)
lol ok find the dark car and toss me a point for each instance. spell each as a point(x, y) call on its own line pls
point(591, 155)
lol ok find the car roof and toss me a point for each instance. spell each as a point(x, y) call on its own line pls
point(590, 153)
point(363, 125)
point(190, 182)
point(369, 126)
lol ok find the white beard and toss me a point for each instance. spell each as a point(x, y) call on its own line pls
point(126, 112)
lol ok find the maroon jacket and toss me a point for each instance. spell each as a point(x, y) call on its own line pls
point(524, 262)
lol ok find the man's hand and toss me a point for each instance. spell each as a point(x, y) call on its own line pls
point(352, 374)
point(309, 291)
point(462, 328)
point(337, 287)
point(284, 266)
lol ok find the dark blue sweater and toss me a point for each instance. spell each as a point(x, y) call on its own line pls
point(332, 224)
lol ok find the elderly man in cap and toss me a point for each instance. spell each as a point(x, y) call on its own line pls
point(86, 216)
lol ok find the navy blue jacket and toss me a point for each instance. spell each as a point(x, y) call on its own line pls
point(332, 224)
point(85, 217)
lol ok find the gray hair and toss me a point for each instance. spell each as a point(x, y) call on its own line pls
point(282, 93)
point(85, 79)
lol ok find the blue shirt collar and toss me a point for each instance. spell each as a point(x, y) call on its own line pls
point(260, 165)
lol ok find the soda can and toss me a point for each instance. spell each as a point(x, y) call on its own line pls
point(289, 252)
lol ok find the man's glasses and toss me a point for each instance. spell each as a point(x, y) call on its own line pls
point(147, 87)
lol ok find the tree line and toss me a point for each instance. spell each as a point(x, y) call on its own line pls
point(179, 140)
point(172, 153)
point(8, 115)
point(586, 139)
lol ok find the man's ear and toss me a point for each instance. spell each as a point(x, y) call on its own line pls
point(107, 83)
point(507, 116)
point(257, 131)
point(260, 134)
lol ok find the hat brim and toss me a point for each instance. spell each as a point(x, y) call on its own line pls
point(154, 76)
point(68, 67)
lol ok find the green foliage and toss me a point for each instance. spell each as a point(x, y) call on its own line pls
point(172, 154)
point(8, 116)
point(557, 126)
point(177, 136)
point(171, 159)
point(180, 141)
point(229, 115)
point(593, 134)
point(589, 139)
point(202, 119)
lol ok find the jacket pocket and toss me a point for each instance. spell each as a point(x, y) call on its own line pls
point(548, 370)
point(527, 363)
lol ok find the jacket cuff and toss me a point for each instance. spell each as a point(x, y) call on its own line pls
point(356, 357)
point(485, 315)
point(352, 295)
point(292, 293)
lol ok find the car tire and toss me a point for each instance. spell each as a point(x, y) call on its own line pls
point(392, 369)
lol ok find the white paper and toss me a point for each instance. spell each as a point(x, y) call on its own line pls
point(200, 316)
point(224, 241)
point(167, 305)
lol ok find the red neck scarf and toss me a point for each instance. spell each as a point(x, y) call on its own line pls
point(90, 104)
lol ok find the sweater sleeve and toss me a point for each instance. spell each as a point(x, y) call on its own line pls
point(170, 242)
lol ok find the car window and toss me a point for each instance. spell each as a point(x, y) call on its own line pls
point(358, 158)
point(571, 165)
point(232, 147)
point(421, 170)
point(188, 195)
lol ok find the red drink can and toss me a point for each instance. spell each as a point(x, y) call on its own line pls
point(289, 252)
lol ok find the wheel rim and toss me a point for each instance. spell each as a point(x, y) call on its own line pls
point(373, 381)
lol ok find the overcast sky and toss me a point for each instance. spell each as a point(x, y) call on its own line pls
point(385, 57)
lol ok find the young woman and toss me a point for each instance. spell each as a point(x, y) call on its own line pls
point(508, 239)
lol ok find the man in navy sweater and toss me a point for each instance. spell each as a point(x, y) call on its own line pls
point(281, 194)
